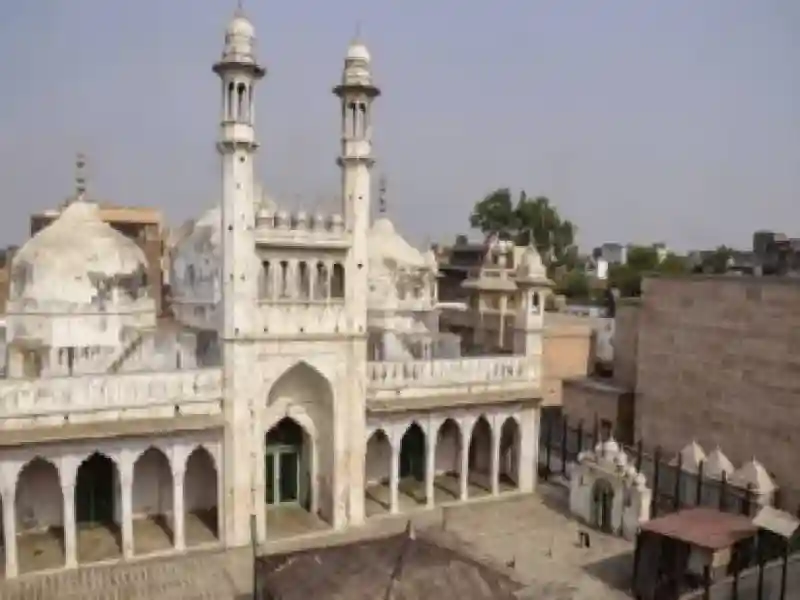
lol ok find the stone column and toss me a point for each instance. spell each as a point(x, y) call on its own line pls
point(463, 479)
point(126, 481)
point(430, 469)
point(178, 511)
point(394, 476)
point(10, 533)
point(529, 449)
point(70, 528)
point(494, 469)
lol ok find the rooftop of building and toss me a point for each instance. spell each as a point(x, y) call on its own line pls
point(402, 567)
point(114, 213)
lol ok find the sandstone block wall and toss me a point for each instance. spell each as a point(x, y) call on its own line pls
point(626, 330)
point(719, 362)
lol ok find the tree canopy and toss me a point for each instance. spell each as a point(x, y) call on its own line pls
point(553, 236)
point(642, 260)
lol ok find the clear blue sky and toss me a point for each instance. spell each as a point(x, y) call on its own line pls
point(674, 120)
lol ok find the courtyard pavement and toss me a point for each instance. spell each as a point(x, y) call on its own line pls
point(534, 537)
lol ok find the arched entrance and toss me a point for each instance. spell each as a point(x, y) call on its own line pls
point(299, 465)
point(377, 476)
point(288, 465)
point(200, 498)
point(602, 505)
point(480, 457)
point(98, 510)
point(39, 509)
point(448, 461)
point(412, 463)
point(152, 503)
point(509, 453)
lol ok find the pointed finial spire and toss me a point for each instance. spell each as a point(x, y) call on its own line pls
point(239, 7)
point(382, 194)
point(80, 176)
point(357, 36)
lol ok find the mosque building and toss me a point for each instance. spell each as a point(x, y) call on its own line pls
point(301, 378)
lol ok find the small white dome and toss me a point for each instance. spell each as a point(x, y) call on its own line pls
point(358, 51)
point(610, 448)
point(386, 245)
point(531, 265)
point(68, 261)
point(716, 464)
point(689, 457)
point(240, 26)
point(640, 481)
point(754, 474)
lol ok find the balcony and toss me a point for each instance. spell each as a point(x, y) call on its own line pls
point(470, 375)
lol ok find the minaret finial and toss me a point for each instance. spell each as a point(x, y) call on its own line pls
point(80, 176)
point(357, 37)
point(382, 183)
point(239, 7)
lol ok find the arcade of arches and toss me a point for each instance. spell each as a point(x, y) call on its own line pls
point(423, 462)
point(65, 505)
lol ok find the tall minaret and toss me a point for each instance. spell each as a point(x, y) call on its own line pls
point(239, 72)
point(356, 93)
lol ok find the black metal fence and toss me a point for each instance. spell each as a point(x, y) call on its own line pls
point(673, 486)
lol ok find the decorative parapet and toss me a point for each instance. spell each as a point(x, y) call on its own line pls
point(460, 371)
point(65, 395)
point(282, 227)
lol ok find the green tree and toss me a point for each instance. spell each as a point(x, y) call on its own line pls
point(553, 236)
point(575, 285)
point(718, 261)
point(673, 264)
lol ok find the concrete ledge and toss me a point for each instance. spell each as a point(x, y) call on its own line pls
point(108, 429)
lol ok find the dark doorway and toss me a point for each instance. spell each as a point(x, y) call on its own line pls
point(412, 453)
point(287, 465)
point(94, 490)
point(602, 503)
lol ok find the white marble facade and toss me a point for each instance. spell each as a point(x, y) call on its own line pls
point(265, 391)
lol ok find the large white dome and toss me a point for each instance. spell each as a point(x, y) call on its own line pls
point(77, 260)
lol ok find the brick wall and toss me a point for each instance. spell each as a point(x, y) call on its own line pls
point(719, 362)
point(626, 330)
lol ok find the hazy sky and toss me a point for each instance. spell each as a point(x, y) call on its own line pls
point(643, 120)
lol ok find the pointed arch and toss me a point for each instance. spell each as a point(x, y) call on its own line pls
point(447, 463)
point(152, 500)
point(301, 384)
point(510, 448)
point(413, 462)
point(201, 497)
point(39, 509)
point(480, 454)
point(98, 507)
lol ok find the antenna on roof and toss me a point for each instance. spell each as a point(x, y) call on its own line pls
point(382, 183)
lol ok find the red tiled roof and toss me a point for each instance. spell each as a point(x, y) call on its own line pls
point(703, 527)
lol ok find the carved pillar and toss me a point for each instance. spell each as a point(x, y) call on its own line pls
point(10, 533)
point(463, 479)
point(495, 462)
point(430, 468)
point(394, 476)
point(70, 527)
point(178, 510)
point(126, 482)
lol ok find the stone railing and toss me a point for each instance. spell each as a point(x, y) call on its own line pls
point(460, 371)
point(65, 395)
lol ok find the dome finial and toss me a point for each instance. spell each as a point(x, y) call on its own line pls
point(382, 195)
point(80, 178)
